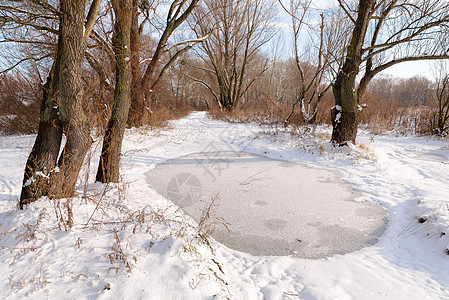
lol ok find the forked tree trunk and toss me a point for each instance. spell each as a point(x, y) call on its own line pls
point(62, 112)
point(226, 101)
point(177, 14)
point(109, 167)
point(74, 121)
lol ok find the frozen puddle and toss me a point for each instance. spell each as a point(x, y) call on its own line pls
point(273, 207)
point(432, 157)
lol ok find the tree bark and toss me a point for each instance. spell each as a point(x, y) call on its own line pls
point(138, 112)
point(44, 155)
point(74, 121)
point(345, 112)
point(109, 167)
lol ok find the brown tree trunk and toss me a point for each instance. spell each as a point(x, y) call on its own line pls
point(109, 167)
point(178, 13)
point(74, 121)
point(44, 155)
point(43, 158)
point(345, 112)
point(137, 110)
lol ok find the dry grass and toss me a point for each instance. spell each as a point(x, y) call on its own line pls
point(19, 107)
point(20, 102)
point(270, 112)
point(165, 106)
point(165, 110)
point(379, 116)
point(267, 112)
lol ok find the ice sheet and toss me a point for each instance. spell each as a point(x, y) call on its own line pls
point(272, 207)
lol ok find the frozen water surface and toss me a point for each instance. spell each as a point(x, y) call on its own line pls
point(434, 157)
point(273, 207)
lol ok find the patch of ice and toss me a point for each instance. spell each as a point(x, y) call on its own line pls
point(296, 198)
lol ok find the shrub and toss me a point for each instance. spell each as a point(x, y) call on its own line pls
point(19, 104)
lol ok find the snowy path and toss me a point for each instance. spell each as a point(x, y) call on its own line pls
point(408, 176)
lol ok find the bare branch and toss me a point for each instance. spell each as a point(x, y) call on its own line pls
point(91, 16)
point(343, 7)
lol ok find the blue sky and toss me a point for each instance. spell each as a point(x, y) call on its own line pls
point(403, 70)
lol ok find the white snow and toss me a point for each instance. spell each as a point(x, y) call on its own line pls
point(30, 181)
point(338, 117)
point(163, 248)
point(42, 174)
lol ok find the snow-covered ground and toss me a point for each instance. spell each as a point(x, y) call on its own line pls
point(129, 242)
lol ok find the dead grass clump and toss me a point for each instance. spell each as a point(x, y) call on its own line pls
point(382, 112)
point(118, 257)
point(64, 213)
point(29, 232)
point(322, 135)
point(379, 115)
point(422, 120)
point(365, 151)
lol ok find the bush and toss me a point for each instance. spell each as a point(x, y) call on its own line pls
point(165, 106)
point(19, 105)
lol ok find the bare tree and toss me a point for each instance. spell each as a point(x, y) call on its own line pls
point(143, 83)
point(384, 33)
point(130, 97)
point(108, 169)
point(238, 29)
point(28, 31)
point(19, 102)
point(325, 55)
point(415, 90)
point(61, 111)
point(442, 97)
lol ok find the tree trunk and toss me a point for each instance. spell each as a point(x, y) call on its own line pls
point(137, 112)
point(108, 169)
point(345, 112)
point(44, 155)
point(43, 158)
point(74, 121)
